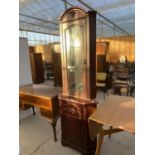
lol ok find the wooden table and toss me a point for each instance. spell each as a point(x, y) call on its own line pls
point(118, 112)
point(45, 98)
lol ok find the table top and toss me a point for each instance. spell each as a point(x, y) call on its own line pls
point(40, 90)
point(116, 111)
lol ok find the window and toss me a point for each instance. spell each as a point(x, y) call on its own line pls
point(38, 38)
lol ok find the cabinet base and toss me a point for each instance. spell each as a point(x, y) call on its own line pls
point(83, 151)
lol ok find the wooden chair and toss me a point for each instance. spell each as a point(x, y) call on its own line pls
point(101, 82)
point(121, 87)
point(120, 83)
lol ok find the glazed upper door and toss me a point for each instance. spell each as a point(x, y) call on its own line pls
point(75, 58)
point(78, 44)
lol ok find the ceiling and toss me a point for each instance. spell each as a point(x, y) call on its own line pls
point(114, 17)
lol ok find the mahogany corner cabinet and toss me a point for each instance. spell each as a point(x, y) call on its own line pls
point(78, 57)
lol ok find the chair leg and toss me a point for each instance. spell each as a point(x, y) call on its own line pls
point(104, 95)
point(104, 91)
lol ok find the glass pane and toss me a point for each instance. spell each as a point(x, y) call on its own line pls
point(76, 61)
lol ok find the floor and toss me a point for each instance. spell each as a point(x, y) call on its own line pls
point(36, 138)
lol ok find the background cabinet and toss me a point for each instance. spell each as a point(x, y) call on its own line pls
point(37, 69)
point(102, 49)
point(56, 57)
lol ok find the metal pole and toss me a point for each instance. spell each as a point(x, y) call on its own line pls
point(38, 19)
point(39, 25)
point(109, 26)
point(65, 2)
point(38, 32)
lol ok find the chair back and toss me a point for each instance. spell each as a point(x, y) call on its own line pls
point(101, 76)
point(122, 74)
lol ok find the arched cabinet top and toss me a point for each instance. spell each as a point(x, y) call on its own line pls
point(74, 13)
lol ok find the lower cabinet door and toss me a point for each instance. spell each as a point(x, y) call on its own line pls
point(72, 130)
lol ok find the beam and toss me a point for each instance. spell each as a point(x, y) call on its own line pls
point(112, 27)
point(46, 21)
point(132, 21)
point(127, 24)
point(65, 1)
point(39, 25)
point(120, 19)
point(103, 17)
point(128, 27)
point(21, 29)
point(65, 4)
point(115, 5)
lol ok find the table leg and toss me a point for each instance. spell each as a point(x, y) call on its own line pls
point(99, 141)
point(33, 110)
point(53, 124)
point(110, 131)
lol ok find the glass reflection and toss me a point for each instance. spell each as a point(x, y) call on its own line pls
point(76, 63)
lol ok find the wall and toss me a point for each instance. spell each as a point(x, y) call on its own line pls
point(24, 71)
point(123, 45)
point(24, 63)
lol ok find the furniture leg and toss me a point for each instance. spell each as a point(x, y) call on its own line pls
point(104, 91)
point(110, 131)
point(33, 109)
point(104, 94)
point(107, 92)
point(114, 92)
point(131, 90)
point(99, 141)
point(53, 124)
